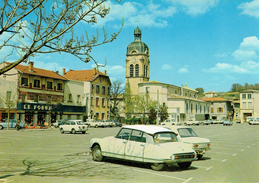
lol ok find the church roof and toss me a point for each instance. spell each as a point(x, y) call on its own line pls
point(137, 46)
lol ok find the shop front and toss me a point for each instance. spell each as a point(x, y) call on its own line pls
point(44, 114)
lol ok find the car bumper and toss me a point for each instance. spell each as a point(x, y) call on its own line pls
point(169, 161)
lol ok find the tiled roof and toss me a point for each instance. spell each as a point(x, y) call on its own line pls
point(83, 75)
point(215, 99)
point(39, 72)
point(174, 96)
point(210, 92)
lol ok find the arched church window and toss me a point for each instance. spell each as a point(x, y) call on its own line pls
point(131, 70)
point(137, 70)
point(144, 70)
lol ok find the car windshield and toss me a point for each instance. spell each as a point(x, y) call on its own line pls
point(186, 132)
point(80, 123)
point(165, 137)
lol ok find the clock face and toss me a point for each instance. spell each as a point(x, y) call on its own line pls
point(134, 59)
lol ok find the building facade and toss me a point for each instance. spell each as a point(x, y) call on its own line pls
point(248, 107)
point(220, 108)
point(90, 88)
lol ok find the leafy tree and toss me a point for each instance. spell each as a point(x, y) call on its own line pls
point(163, 112)
point(144, 104)
point(152, 114)
point(116, 92)
point(128, 101)
point(35, 27)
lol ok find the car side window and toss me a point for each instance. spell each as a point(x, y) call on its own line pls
point(73, 123)
point(124, 134)
point(138, 136)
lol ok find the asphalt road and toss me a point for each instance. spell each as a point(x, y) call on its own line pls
point(47, 156)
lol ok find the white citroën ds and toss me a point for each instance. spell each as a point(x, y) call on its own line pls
point(154, 145)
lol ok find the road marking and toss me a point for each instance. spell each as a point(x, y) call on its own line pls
point(209, 168)
point(218, 152)
point(163, 175)
point(235, 154)
point(242, 149)
point(188, 180)
point(224, 160)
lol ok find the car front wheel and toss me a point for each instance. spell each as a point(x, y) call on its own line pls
point(1, 127)
point(73, 131)
point(97, 153)
point(185, 165)
point(157, 166)
point(61, 130)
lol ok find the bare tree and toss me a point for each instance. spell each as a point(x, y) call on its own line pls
point(31, 27)
point(116, 93)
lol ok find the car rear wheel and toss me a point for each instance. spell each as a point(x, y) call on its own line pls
point(83, 132)
point(61, 130)
point(157, 166)
point(96, 126)
point(199, 156)
point(97, 153)
point(185, 165)
point(73, 131)
point(1, 127)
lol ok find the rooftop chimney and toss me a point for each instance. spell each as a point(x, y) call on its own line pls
point(64, 72)
point(31, 66)
point(105, 72)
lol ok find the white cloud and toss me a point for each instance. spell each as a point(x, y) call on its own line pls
point(250, 8)
point(183, 70)
point(250, 43)
point(166, 67)
point(227, 68)
point(244, 55)
point(52, 66)
point(195, 7)
point(136, 13)
point(222, 55)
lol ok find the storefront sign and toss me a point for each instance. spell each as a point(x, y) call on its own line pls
point(34, 107)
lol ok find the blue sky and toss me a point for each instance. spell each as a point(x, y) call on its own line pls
point(204, 43)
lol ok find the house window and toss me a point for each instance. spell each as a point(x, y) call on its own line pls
point(36, 83)
point(250, 105)
point(69, 97)
point(49, 85)
point(103, 114)
point(97, 88)
point(108, 102)
point(97, 102)
point(187, 108)
point(60, 86)
point(137, 70)
point(103, 90)
point(24, 82)
point(78, 99)
point(103, 102)
point(249, 96)
point(36, 98)
point(191, 108)
point(131, 70)
point(92, 88)
point(212, 110)
point(108, 90)
point(8, 95)
point(243, 96)
point(92, 100)
point(97, 115)
point(244, 105)
point(220, 109)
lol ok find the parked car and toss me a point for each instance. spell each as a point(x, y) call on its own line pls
point(238, 121)
point(117, 123)
point(73, 126)
point(109, 123)
point(12, 124)
point(254, 122)
point(154, 145)
point(227, 123)
point(59, 122)
point(171, 122)
point(96, 123)
point(188, 136)
point(207, 122)
point(192, 122)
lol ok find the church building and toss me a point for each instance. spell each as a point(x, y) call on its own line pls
point(183, 102)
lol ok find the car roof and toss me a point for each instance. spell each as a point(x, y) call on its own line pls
point(147, 128)
point(174, 128)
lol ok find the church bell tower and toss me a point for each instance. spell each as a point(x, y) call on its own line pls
point(137, 62)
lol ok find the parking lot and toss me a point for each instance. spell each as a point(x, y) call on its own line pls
point(49, 156)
